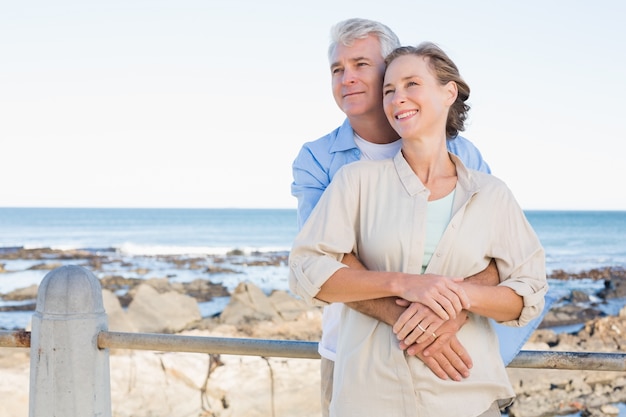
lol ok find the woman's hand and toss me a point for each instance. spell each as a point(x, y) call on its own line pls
point(417, 324)
point(443, 295)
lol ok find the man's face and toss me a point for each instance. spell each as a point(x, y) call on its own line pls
point(357, 77)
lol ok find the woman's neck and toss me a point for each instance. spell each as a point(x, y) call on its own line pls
point(430, 161)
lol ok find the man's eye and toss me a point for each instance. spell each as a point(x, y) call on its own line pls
point(336, 70)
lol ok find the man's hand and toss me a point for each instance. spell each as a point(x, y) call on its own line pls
point(436, 345)
point(444, 356)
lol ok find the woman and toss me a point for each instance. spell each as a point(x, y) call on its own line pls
point(414, 221)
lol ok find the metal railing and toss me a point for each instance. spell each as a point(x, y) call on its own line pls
point(530, 359)
point(69, 376)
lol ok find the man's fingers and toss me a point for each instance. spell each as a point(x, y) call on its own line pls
point(434, 366)
point(455, 355)
point(402, 302)
point(460, 354)
point(451, 371)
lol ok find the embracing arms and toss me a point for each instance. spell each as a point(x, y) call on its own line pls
point(444, 355)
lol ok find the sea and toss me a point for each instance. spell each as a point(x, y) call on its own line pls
point(574, 241)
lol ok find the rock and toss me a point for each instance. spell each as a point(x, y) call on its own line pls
point(248, 303)
point(170, 312)
point(287, 307)
point(278, 315)
point(203, 290)
point(579, 297)
point(45, 267)
point(569, 314)
point(118, 320)
point(21, 294)
point(609, 410)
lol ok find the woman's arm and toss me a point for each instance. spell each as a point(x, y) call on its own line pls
point(443, 295)
point(499, 303)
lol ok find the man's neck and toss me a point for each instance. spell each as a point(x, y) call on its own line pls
point(374, 129)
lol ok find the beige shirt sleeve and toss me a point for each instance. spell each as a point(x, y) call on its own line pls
point(328, 234)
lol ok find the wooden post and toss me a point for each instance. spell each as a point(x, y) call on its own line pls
point(69, 375)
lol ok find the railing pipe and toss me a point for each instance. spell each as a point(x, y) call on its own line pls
point(537, 359)
point(593, 361)
point(200, 344)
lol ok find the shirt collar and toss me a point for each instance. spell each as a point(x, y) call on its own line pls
point(345, 138)
point(413, 185)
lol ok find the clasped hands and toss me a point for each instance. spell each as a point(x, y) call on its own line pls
point(428, 326)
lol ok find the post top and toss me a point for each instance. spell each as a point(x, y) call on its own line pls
point(70, 290)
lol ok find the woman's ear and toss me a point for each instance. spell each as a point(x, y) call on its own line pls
point(452, 92)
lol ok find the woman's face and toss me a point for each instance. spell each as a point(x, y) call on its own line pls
point(415, 102)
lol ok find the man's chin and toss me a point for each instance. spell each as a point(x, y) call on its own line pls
point(354, 110)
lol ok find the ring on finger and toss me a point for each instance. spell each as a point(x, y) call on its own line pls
point(434, 335)
point(421, 328)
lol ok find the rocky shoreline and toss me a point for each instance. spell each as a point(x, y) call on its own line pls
point(224, 382)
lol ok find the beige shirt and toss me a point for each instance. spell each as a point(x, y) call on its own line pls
point(376, 209)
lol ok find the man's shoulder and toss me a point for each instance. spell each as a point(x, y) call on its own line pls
point(468, 152)
point(340, 139)
point(461, 142)
point(324, 141)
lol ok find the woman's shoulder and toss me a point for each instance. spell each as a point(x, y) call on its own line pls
point(367, 167)
point(489, 184)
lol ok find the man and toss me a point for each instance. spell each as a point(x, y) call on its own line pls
point(356, 56)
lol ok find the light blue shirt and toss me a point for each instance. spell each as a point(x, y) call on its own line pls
point(316, 165)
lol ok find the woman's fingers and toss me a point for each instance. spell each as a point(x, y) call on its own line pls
point(443, 295)
point(406, 322)
point(417, 323)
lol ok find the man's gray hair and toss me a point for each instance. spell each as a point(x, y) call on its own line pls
point(348, 31)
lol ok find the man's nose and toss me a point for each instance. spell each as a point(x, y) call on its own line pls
point(349, 77)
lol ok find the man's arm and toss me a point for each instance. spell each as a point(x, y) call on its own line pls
point(488, 276)
point(309, 182)
point(382, 309)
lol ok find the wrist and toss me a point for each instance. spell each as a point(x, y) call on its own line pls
point(396, 284)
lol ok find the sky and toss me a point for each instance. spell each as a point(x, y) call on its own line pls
point(203, 104)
